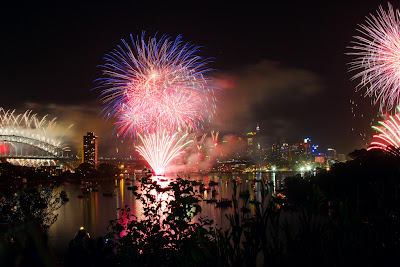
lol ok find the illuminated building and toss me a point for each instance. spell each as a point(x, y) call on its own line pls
point(281, 153)
point(320, 159)
point(298, 152)
point(254, 149)
point(276, 154)
point(90, 149)
point(286, 152)
point(331, 154)
point(341, 157)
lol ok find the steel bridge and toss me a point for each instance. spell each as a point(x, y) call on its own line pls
point(31, 150)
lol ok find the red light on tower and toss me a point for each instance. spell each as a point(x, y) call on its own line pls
point(3, 149)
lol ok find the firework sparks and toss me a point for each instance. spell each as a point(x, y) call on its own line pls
point(28, 129)
point(156, 89)
point(215, 138)
point(377, 61)
point(200, 142)
point(388, 137)
point(159, 149)
point(29, 125)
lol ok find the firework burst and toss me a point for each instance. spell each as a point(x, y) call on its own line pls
point(156, 84)
point(30, 125)
point(158, 91)
point(388, 137)
point(215, 138)
point(20, 131)
point(160, 148)
point(199, 142)
point(377, 57)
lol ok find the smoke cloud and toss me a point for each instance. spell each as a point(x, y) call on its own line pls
point(74, 121)
point(263, 93)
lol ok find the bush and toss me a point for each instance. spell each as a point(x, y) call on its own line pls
point(171, 233)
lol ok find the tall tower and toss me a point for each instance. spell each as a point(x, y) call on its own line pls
point(90, 149)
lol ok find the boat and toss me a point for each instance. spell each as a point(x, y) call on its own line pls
point(63, 194)
point(193, 200)
point(81, 186)
point(244, 194)
point(223, 203)
point(108, 194)
point(195, 183)
point(245, 209)
point(254, 202)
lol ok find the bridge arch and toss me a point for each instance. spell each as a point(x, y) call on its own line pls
point(29, 140)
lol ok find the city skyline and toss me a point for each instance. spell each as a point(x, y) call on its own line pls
point(281, 65)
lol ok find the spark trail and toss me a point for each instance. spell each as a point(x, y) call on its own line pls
point(388, 137)
point(377, 58)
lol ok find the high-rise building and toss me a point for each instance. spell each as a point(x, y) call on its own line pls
point(299, 153)
point(286, 152)
point(90, 149)
point(254, 144)
point(341, 157)
point(276, 154)
point(331, 154)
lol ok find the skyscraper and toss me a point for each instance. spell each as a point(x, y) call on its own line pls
point(90, 149)
point(331, 154)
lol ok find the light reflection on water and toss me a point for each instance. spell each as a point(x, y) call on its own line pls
point(94, 210)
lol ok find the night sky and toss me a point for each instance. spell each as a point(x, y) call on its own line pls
point(280, 63)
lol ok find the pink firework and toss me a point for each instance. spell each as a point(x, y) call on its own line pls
point(377, 61)
point(159, 91)
point(388, 137)
point(161, 148)
point(214, 138)
point(171, 110)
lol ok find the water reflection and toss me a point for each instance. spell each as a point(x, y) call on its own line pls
point(94, 210)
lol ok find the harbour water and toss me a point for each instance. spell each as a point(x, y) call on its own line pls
point(94, 209)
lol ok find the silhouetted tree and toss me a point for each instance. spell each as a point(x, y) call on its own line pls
point(107, 170)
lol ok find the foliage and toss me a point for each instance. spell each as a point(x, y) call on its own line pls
point(349, 215)
point(26, 216)
point(24, 245)
point(169, 234)
point(12, 174)
point(107, 170)
point(246, 237)
point(30, 205)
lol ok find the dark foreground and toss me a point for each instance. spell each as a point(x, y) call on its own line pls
point(342, 217)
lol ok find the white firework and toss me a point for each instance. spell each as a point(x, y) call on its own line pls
point(377, 58)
